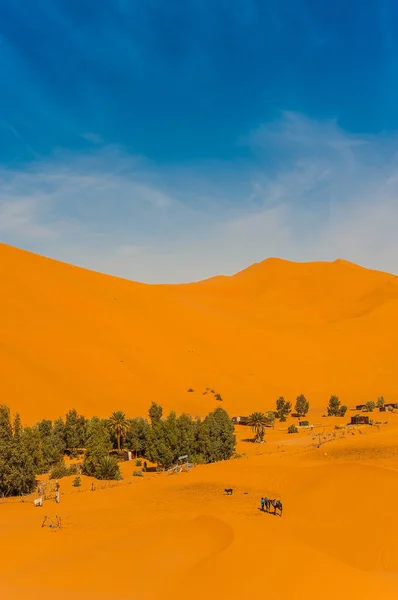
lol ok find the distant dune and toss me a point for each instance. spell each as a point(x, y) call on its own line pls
point(74, 338)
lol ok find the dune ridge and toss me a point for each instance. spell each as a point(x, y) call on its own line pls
point(76, 338)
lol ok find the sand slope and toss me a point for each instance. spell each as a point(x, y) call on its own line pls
point(178, 536)
point(74, 338)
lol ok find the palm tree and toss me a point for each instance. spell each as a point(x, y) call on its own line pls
point(118, 424)
point(258, 421)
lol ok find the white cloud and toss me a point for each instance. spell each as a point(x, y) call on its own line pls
point(310, 192)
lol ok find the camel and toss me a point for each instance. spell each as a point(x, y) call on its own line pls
point(277, 504)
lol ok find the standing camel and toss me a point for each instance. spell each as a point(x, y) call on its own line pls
point(277, 504)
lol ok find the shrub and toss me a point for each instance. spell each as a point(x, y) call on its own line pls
point(138, 462)
point(292, 429)
point(218, 397)
point(370, 406)
point(77, 482)
point(343, 410)
point(138, 474)
point(190, 390)
point(270, 416)
point(198, 459)
point(108, 468)
point(305, 423)
point(61, 470)
point(282, 419)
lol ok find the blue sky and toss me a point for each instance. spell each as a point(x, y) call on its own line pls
point(169, 141)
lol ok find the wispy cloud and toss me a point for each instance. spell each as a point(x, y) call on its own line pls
point(309, 191)
point(92, 137)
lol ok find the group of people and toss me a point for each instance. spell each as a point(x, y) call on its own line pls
point(266, 504)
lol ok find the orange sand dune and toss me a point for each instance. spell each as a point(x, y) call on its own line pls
point(75, 338)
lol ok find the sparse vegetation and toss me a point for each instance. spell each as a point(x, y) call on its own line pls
point(292, 428)
point(138, 462)
point(370, 406)
point(190, 390)
point(77, 481)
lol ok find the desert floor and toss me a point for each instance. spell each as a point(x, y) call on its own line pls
point(178, 536)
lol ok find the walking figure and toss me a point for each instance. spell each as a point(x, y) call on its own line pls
point(262, 504)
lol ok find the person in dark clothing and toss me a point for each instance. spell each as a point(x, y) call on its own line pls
point(262, 503)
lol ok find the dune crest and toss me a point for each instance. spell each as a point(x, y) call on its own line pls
point(76, 338)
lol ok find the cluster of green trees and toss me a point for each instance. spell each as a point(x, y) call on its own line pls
point(206, 441)
point(258, 421)
point(17, 462)
point(336, 409)
point(29, 451)
point(371, 404)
